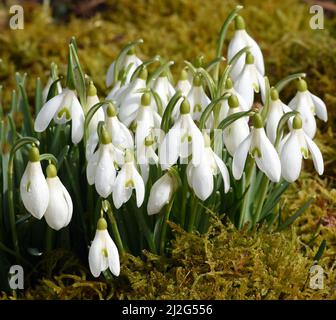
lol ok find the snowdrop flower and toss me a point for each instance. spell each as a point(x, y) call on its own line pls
point(225, 103)
point(127, 180)
point(164, 89)
point(103, 253)
point(59, 211)
point(249, 81)
point(200, 178)
point(237, 132)
point(93, 99)
point(179, 138)
point(129, 62)
point(62, 108)
point(132, 98)
point(161, 193)
point(121, 136)
point(100, 170)
point(197, 98)
point(33, 186)
point(47, 88)
point(297, 145)
point(308, 105)
point(183, 84)
point(240, 40)
point(276, 110)
point(261, 150)
point(119, 90)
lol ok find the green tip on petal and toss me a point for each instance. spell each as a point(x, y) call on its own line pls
point(92, 91)
point(111, 110)
point(297, 122)
point(143, 73)
point(34, 154)
point(105, 137)
point(233, 101)
point(184, 75)
point(274, 94)
point(146, 99)
point(301, 85)
point(239, 23)
point(51, 171)
point(185, 106)
point(249, 58)
point(102, 224)
point(197, 82)
point(228, 83)
point(257, 121)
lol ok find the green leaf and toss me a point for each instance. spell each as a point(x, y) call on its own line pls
point(282, 83)
point(49, 157)
point(320, 251)
point(297, 214)
point(233, 117)
point(165, 123)
point(28, 121)
point(142, 65)
point(38, 96)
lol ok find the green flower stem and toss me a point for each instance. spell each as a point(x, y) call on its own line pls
point(168, 208)
point(49, 238)
point(193, 211)
point(246, 201)
point(263, 192)
point(115, 229)
point(184, 197)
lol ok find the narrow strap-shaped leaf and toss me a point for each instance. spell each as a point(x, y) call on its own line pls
point(233, 117)
point(62, 155)
point(38, 95)
point(297, 214)
point(165, 123)
point(28, 121)
point(320, 250)
point(143, 65)
point(49, 157)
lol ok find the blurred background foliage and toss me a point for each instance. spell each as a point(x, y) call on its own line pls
point(236, 264)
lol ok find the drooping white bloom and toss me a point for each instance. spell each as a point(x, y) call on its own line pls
point(122, 137)
point(62, 108)
point(128, 179)
point(225, 103)
point(276, 110)
point(197, 98)
point(132, 98)
point(250, 81)
point(103, 253)
point(298, 145)
point(100, 170)
point(164, 89)
point(237, 132)
point(200, 177)
point(119, 89)
point(59, 211)
point(33, 186)
point(240, 40)
point(183, 84)
point(262, 151)
point(177, 142)
point(308, 105)
point(129, 62)
point(161, 193)
point(47, 88)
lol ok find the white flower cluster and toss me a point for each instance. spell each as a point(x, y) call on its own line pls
point(125, 138)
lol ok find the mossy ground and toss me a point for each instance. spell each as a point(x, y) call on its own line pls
point(224, 263)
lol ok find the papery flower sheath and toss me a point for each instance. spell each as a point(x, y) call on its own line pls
point(129, 62)
point(308, 105)
point(182, 140)
point(34, 189)
point(200, 177)
point(298, 145)
point(240, 40)
point(250, 81)
point(261, 150)
point(128, 179)
point(103, 253)
point(236, 132)
point(62, 108)
point(59, 211)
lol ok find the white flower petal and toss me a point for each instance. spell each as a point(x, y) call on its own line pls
point(316, 155)
point(139, 187)
point(170, 147)
point(112, 255)
point(224, 172)
point(320, 108)
point(202, 181)
point(95, 254)
point(240, 156)
point(77, 116)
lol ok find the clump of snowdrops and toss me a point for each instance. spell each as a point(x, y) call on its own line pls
point(109, 174)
